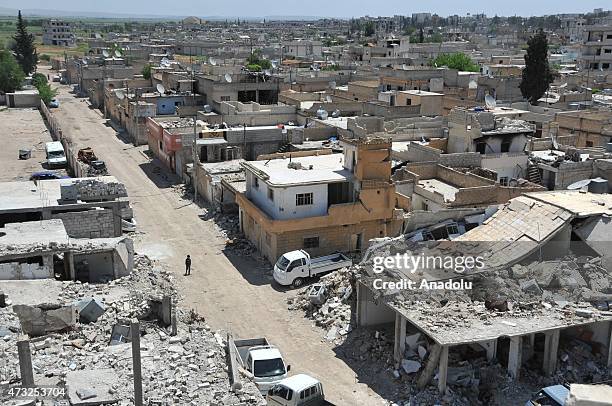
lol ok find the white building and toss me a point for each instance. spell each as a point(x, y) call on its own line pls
point(303, 49)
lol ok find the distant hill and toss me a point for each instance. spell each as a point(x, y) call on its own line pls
point(4, 11)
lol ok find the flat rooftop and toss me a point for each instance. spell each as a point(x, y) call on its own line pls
point(437, 186)
point(27, 195)
point(325, 169)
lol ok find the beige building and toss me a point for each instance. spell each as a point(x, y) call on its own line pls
point(327, 203)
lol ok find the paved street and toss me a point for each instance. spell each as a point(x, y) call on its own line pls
point(228, 290)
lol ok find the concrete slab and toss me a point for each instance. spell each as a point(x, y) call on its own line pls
point(96, 382)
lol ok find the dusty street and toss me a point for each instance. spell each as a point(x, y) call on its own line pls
point(231, 292)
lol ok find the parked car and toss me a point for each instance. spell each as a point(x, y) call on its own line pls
point(555, 395)
point(46, 175)
point(262, 361)
point(56, 156)
point(297, 390)
point(294, 267)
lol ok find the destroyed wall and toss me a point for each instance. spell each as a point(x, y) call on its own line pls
point(420, 218)
point(27, 268)
point(415, 152)
point(90, 223)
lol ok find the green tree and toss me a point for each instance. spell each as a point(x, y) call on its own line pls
point(421, 36)
point(38, 79)
point(146, 71)
point(46, 92)
point(369, 29)
point(24, 48)
point(11, 75)
point(458, 60)
point(537, 75)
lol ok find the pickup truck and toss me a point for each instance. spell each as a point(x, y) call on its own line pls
point(263, 362)
point(293, 267)
point(298, 390)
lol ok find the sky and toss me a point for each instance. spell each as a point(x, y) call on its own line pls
point(324, 8)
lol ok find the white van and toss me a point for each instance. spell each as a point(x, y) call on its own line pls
point(56, 156)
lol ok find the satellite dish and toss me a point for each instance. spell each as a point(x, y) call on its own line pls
point(207, 108)
point(164, 61)
point(336, 113)
point(120, 95)
point(228, 78)
point(105, 53)
point(267, 72)
point(563, 86)
point(118, 53)
point(85, 62)
point(160, 88)
point(403, 66)
point(332, 85)
point(473, 84)
point(490, 102)
point(213, 61)
point(274, 64)
point(328, 99)
point(312, 75)
point(264, 57)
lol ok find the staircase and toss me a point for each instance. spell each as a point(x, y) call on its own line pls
point(533, 174)
point(286, 147)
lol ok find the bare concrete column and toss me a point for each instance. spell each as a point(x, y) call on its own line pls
point(551, 348)
point(136, 366)
point(430, 367)
point(514, 357)
point(25, 363)
point(443, 369)
point(2, 299)
point(491, 348)
point(359, 306)
point(400, 336)
point(167, 310)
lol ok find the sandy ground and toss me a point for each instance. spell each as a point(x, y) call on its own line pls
point(231, 291)
point(23, 129)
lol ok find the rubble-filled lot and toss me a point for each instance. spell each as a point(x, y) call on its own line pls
point(187, 368)
point(572, 288)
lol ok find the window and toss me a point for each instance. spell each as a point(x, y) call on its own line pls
point(605, 66)
point(161, 146)
point(589, 143)
point(311, 242)
point(303, 199)
point(256, 181)
point(452, 229)
point(225, 98)
point(481, 147)
point(505, 146)
point(408, 102)
point(271, 194)
point(608, 51)
point(503, 181)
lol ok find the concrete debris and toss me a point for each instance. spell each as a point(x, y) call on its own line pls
point(46, 318)
point(328, 304)
point(83, 360)
point(410, 367)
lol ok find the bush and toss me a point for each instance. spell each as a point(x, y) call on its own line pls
point(146, 72)
point(45, 57)
point(46, 92)
point(38, 79)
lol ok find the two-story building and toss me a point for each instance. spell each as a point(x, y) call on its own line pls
point(322, 204)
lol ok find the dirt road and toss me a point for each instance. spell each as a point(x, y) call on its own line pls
point(232, 292)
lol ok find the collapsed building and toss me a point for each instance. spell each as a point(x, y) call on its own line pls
point(543, 290)
point(43, 249)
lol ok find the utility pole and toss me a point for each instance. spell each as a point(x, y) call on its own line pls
point(136, 365)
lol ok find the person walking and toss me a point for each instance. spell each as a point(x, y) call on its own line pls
point(188, 265)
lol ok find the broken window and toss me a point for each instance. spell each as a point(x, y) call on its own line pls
point(338, 193)
point(503, 181)
point(311, 242)
point(303, 199)
point(481, 147)
point(505, 146)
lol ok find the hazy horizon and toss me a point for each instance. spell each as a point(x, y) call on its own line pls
point(321, 8)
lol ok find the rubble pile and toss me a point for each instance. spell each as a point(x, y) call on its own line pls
point(187, 368)
point(91, 189)
point(329, 303)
